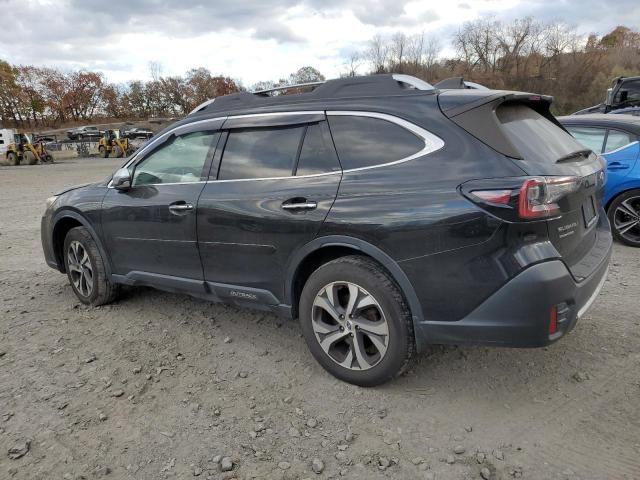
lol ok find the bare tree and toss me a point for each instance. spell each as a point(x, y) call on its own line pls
point(155, 69)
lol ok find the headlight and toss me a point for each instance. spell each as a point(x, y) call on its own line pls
point(50, 201)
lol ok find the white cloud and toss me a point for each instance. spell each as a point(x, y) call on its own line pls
point(252, 40)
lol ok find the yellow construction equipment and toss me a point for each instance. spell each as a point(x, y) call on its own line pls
point(113, 143)
point(24, 151)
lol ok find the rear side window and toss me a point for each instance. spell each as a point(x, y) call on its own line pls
point(592, 138)
point(317, 154)
point(366, 141)
point(260, 153)
point(535, 137)
point(617, 139)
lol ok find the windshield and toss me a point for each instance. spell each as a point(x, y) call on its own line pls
point(534, 136)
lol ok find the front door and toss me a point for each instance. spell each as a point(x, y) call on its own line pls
point(150, 229)
point(274, 188)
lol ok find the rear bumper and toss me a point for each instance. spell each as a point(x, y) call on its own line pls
point(518, 314)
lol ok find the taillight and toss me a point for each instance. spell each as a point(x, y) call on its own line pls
point(539, 196)
point(494, 196)
point(528, 198)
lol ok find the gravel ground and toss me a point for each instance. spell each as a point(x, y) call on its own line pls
point(166, 386)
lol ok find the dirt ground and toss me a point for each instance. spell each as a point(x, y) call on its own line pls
point(165, 386)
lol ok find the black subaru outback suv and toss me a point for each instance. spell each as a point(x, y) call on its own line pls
point(383, 213)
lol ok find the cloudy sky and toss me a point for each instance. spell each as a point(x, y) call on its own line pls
point(253, 40)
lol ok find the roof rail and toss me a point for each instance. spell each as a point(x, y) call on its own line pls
point(348, 87)
point(412, 81)
point(202, 106)
point(286, 87)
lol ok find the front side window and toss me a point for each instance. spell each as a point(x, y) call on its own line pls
point(617, 139)
point(260, 153)
point(592, 138)
point(367, 141)
point(629, 93)
point(180, 160)
point(317, 154)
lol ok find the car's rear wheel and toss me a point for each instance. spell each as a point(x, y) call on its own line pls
point(624, 216)
point(356, 321)
point(86, 269)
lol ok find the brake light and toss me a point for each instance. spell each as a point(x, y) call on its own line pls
point(522, 198)
point(539, 195)
point(493, 196)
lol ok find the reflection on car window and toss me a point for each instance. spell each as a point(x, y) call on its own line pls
point(260, 153)
point(592, 138)
point(179, 161)
point(617, 139)
point(365, 141)
point(317, 154)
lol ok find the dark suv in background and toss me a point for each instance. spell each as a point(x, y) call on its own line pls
point(383, 213)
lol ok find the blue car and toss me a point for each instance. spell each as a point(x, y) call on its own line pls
point(617, 138)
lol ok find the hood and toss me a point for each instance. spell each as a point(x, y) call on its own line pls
point(76, 187)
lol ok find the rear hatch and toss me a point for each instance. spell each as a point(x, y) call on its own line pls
point(569, 178)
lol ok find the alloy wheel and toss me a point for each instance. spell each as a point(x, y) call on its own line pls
point(350, 325)
point(80, 268)
point(626, 219)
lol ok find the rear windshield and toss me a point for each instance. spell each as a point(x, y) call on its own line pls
point(536, 138)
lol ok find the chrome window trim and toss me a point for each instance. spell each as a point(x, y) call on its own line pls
point(620, 148)
point(431, 141)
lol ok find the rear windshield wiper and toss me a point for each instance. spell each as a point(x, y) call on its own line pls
point(578, 153)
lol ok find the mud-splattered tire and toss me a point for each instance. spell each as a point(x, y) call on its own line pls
point(47, 158)
point(102, 151)
point(116, 151)
point(28, 158)
point(86, 269)
point(13, 159)
point(356, 321)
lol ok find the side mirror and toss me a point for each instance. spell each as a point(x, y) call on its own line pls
point(121, 179)
point(609, 100)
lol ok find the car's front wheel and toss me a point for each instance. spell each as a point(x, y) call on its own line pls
point(624, 216)
point(356, 321)
point(86, 269)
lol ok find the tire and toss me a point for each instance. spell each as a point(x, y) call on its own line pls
point(95, 289)
point(13, 159)
point(383, 310)
point(47, 158)
point(28, 158)
point(103, 151)
point(624, 217)
point(116, 151)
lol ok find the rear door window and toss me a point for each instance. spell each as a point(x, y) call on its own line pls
point(367, 141)
point(317, 154)
point(260, 153)
point(590, 137)
point(617, 139)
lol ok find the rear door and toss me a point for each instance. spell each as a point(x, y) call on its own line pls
point(276, 181)
point(621, 151)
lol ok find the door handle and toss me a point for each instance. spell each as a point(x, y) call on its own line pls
point(303, 205)
point(617, 166)
point(179, 208)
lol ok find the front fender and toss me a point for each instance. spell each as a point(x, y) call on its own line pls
point(77, 216)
